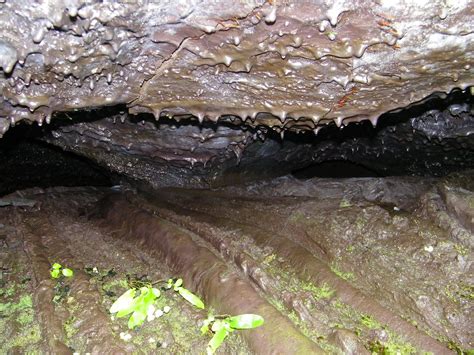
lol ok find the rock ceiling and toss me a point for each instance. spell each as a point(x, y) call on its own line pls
point(288, 65)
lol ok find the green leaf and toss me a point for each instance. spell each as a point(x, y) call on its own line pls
point(124, 303)
point(137, 319)
point(178, 284)
point(191, 298)
point(67, 272)
point(56, 266)
point(245, 321)
point(55, 273)
point(205, 325)
point(216, 340)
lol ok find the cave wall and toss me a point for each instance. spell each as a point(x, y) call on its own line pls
point(432, 139)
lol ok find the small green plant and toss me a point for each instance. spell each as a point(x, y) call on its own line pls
point(177, 285)
point(57, 270)
point(139, 301)
point(222, 326)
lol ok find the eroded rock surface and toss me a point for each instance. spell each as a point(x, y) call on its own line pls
point(434, 139)
point(372, 265)
point(286, 65)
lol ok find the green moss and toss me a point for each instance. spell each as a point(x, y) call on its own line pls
point(391, 348)
point(138, 340)
point(350, 249)
point(318, 292)
point(116, 283)
point(345, 203)
point(348, 276)
point(69, 329)
point(459, 292)
point(25, 317)
point(369, 322)
point(313, 334)
point(24, 304)
point(8, 292)
point(365, 323)
point(452, 345)
point(268, 259)
point(360, 222)
point(29, 337)
point(278, 305)
point(461, 249)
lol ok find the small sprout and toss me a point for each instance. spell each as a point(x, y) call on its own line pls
point(139, 301)
point(67, 272)
point(178, 284)
point(55, 273)
point(140, 306)
point(185, 293)
point(222, 327)
point(56, 266)
point(57, 270)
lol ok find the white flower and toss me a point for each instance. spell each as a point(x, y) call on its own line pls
point(429, 248)
point(166, 309)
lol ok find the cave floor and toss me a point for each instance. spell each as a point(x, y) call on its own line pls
point(356, 266)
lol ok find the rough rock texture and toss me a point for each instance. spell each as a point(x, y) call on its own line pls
point(366, 265)
point(286, 65)
point(433, 139)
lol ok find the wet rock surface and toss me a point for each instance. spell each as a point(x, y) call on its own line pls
point(286, 65)
point(352, 265)
point(428, 140)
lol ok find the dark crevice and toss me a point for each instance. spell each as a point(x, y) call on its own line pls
point(26, 162)
point(430, 138)
point(334, 169)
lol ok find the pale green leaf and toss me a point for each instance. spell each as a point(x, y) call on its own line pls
point(245, 321)
point(124, 302)
point(191, 298)
point(205, 325)
point(137, 319)
point(178, 284)
point(68, 272)
point(55, 273)
point(217, 325)
point(56, 266)
point(216, 341)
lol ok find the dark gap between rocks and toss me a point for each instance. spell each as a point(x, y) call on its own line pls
point(26, 162)
point(334, 169)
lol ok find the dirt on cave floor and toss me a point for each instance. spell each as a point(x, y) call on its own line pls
point(381, 265)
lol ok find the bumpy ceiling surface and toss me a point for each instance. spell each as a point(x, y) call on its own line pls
point(289, 65)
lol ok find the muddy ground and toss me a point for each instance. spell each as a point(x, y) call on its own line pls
point(381, 265)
